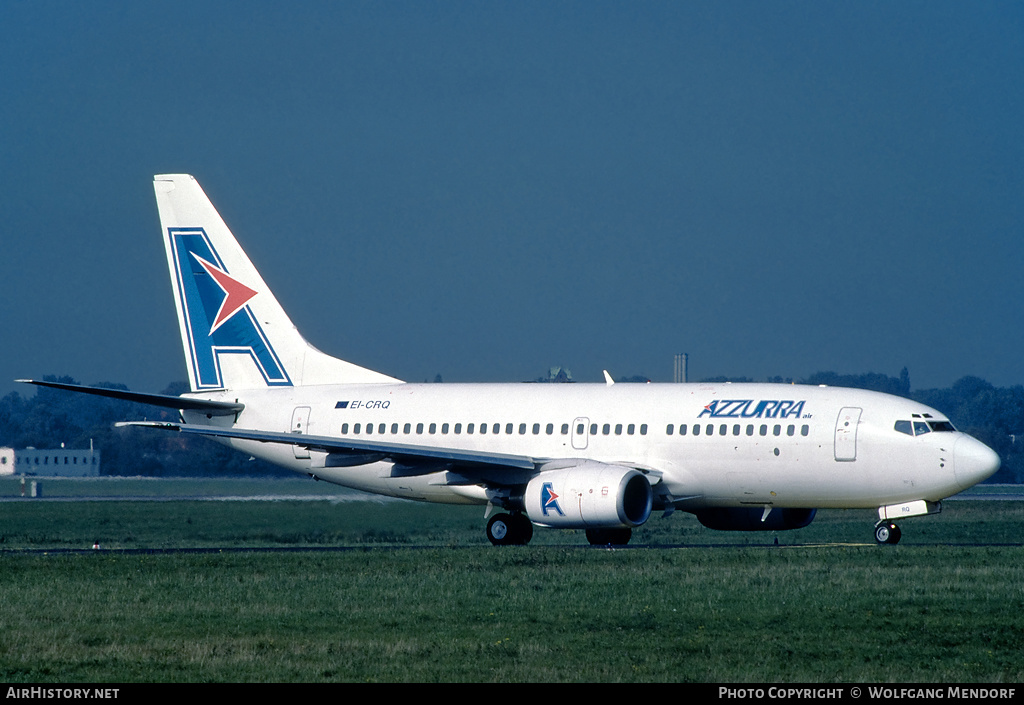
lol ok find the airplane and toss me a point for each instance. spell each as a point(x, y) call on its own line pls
point(597, 457)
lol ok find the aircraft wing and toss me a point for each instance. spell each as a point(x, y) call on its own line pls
point(214, 408)
point(412, 455)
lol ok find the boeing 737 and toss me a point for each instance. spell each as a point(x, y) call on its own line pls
point(598, 457)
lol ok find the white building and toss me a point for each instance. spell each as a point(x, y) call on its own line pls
point(59, 462)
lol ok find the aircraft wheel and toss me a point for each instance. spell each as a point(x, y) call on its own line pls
point(523, 528)
point(609, 537)
point(499, 529)
point(509, 530)
point(887, 532)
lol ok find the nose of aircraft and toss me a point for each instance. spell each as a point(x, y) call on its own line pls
point(973, 461)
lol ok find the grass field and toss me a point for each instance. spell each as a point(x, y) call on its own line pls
point(420, 596)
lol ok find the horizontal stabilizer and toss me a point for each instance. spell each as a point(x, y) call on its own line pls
point(213, 408)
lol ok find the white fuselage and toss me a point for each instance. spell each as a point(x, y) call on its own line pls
point(711, 445)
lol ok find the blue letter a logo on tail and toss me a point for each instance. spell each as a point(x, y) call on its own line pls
point(217, 318)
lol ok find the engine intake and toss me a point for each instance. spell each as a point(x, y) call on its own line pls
point(589, 495)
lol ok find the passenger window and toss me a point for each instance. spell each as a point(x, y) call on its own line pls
point(419, 428)
point(804, 430)
point(579, 429)
point(643, 429)
point(357, 428)
point(606, 429)
point(696, 429)
point(496, 429)
point(483, 428)
point(549, 429)
point(593, 429)
point(433, 428)
point(904, 427)
point(763, 430)
point(618, 429)
point(631, 429)
point(777, 430)
point(736, 429)
point(536, 429)
point(750, 429)
point(508, 429)
point(444, 428)
point(682, 429)
point(344, 429)
point(469, 428)
point(407, 428)
point(565, 429)
point(668, 429)
point(394, 428)
point(522, 429)
point(790, 430)
point(710, 430)
point(458, 428)
point(382, 428)
point(723, 430)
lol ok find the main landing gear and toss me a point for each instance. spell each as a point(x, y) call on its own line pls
point(609, 537)
point(509, 529)
point(887, 532)
point(516, 530)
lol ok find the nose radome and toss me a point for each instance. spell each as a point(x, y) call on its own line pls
point(973, 461)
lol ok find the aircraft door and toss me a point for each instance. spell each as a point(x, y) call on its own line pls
point(580, 431)
point(300, 424)
point(846, 433)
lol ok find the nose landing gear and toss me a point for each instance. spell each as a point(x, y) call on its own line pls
point(887, 532)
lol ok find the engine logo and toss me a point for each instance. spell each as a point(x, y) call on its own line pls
point(549, 500)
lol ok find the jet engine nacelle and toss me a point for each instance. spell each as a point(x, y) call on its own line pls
point(749, 518)
point(589, 495)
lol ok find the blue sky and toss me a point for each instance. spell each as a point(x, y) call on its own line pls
point(483, 190)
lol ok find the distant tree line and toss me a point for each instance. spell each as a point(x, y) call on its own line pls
point(994, 415)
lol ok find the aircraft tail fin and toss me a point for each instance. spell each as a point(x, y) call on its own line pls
point(234, 332)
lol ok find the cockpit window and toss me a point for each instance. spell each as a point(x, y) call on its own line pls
point(919, 428)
